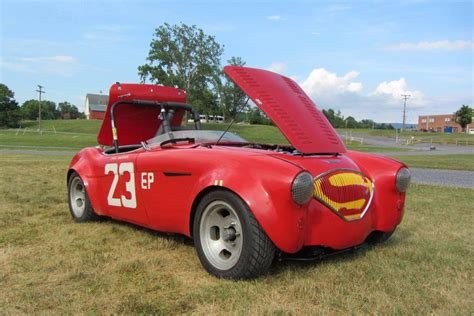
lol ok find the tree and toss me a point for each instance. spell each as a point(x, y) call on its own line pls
point(256, 116)
point(68, 110)
point(29, 110)
point(335, 118)
point(366, 124)
point(9, 110)
point(183, 56)
point(351, 122)
point(232, 98)
point(463, 116)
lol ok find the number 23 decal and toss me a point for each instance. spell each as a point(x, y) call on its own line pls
point(119, 170)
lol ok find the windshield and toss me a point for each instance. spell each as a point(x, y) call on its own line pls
point(199, 136)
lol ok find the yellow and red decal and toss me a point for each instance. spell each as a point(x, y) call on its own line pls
point(346, 192)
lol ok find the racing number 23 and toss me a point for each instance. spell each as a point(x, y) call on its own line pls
point(118, 170)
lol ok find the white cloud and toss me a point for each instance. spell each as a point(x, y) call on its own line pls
point(435, 45)
point(16, 66)
point(275, 18)
point(345, 93)
point(63, 65)
point(321, 81)
point(277, 67)
point(57, 58)
point(395, 89)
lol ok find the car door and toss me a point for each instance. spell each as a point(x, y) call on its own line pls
point(167, 177)
point(121, 189)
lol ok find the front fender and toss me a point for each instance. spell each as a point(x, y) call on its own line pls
point(266, 189)
point(388, 202)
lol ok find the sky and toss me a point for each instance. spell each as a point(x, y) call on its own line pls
point(358, 57)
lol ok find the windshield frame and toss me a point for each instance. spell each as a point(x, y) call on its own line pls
point(197, 135)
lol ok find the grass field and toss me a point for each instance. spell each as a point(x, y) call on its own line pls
point(454, 138)
point(49, 264)
point(453, 162)
point(76, 134)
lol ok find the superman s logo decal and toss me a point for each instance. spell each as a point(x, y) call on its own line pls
point(348, 193)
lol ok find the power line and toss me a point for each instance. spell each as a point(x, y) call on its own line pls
point(40, 92)
point(405, 97)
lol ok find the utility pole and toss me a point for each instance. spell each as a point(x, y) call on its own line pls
point(40, 92)
point(405, 97)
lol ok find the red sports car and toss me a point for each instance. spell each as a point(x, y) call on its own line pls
point(243, 203)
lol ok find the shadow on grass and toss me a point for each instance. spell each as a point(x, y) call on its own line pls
point(178, 238)
point(281, 264)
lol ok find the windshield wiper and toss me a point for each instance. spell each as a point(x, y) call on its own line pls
point(145, 145)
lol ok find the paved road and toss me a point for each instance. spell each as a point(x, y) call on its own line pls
point(418, 149)
point(450, 178)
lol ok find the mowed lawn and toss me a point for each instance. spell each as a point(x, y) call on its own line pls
point(49, 264)
point(76, 134)
point(453, 162)
point(462, 139)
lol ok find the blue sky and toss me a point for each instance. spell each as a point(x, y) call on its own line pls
point(355, 56)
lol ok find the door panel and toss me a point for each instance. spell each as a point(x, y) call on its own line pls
point(121, 188)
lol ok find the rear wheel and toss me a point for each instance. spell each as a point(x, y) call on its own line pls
point(229, 241)
point(79, 203)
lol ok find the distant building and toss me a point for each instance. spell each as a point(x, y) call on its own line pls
point(96, 104)
point(442, 123)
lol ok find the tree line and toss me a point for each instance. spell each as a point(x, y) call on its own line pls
point(11, 114)
point(337, 120)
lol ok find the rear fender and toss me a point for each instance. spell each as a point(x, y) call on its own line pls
point(82, 164)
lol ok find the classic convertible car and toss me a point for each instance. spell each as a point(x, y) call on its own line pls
point(243, 203)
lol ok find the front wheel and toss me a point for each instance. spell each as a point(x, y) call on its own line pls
point(229, 241)
point(79, 203)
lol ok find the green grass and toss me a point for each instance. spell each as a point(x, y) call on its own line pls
point(455, 138)
point(47, 140)
point(453, 162)
point(82, 133)
point(49, 264)
point(75, 126)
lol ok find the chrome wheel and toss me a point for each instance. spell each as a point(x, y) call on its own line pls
point(77, 197)
point(221, 235)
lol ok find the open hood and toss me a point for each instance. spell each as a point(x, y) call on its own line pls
point(133, 123)
point(292, 111)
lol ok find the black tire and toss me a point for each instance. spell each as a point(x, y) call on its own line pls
point(378, 237)
point(88, 213)
point(256, 249)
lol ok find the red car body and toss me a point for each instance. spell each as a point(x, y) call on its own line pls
point(159, 188)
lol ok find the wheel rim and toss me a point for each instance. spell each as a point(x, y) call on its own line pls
point(221, 235)
point(77, 195)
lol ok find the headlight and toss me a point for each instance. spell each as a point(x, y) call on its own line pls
point(302, 188)
point(403, 179)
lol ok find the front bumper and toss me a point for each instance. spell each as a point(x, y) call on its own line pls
point(325, 228)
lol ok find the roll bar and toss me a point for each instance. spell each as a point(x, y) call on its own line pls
point(165, 106)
